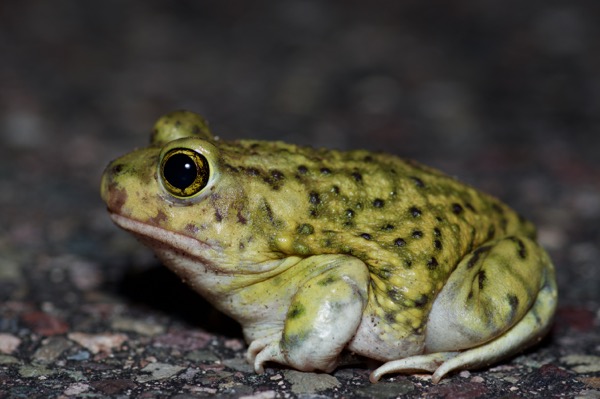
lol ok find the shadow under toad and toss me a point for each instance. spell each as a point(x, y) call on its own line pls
point(160, 289)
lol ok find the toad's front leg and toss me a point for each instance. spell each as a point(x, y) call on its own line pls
point(322, 317)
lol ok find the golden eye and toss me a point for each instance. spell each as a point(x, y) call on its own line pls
point(184, 172)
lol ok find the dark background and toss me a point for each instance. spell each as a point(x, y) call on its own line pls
point(505, 95)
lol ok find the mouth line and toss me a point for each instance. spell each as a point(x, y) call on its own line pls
point(190, 247)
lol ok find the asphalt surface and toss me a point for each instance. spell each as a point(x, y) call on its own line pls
point(503, 95)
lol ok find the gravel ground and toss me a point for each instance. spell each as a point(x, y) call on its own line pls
point(504, 95)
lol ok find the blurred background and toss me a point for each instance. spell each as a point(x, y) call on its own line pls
point(505, 95)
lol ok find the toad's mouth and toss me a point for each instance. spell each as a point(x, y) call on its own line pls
point(162, 240)
point(183, 253)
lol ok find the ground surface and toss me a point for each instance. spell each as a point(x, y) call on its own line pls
point(504, 95)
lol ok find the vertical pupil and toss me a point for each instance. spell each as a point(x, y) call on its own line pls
point(180, 171)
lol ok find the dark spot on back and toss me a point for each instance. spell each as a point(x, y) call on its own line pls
point(481, 279)
point(418, 182)
point(335, 189)
point(241, 218)
point(388, 227)
point(417, 234)
point(269, 212)
point(437, 244)
point(378, 203)
point(366, 236)
point(399, 242)
point(513, 302)
point(457, 209)
point(357, 176)
point(470, 207)
point(252, 172)
point(477, 254)
point(218, 216)
point(275, 179)
point(521, 250)
point(432, 263)
point(349, 213)
point(415, 212)
point(422, 301)
point(326, 171)
point(437, 232)
point(277, 175)
point(302, 169)
point(314, 199)
point(483, 249)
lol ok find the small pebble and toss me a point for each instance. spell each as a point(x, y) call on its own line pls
point(51, 349)
point(9, 343)
point(97, 343)
point(158, 371)
point(76, 389)
point(465, 374)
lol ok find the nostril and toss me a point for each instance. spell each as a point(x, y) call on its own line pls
point(118, 168)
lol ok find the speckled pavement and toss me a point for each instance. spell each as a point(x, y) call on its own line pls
point(504, 95)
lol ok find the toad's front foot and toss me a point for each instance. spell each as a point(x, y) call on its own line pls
point(266, 349)
point(322, 317)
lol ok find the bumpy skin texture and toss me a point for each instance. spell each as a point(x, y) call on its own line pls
point(317, 251)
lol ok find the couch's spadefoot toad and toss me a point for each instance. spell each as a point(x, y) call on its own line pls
point(317, 251)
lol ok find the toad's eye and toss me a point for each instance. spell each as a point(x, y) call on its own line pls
point(184, 172)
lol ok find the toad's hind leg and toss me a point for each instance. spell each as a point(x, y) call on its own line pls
point(499, 299)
